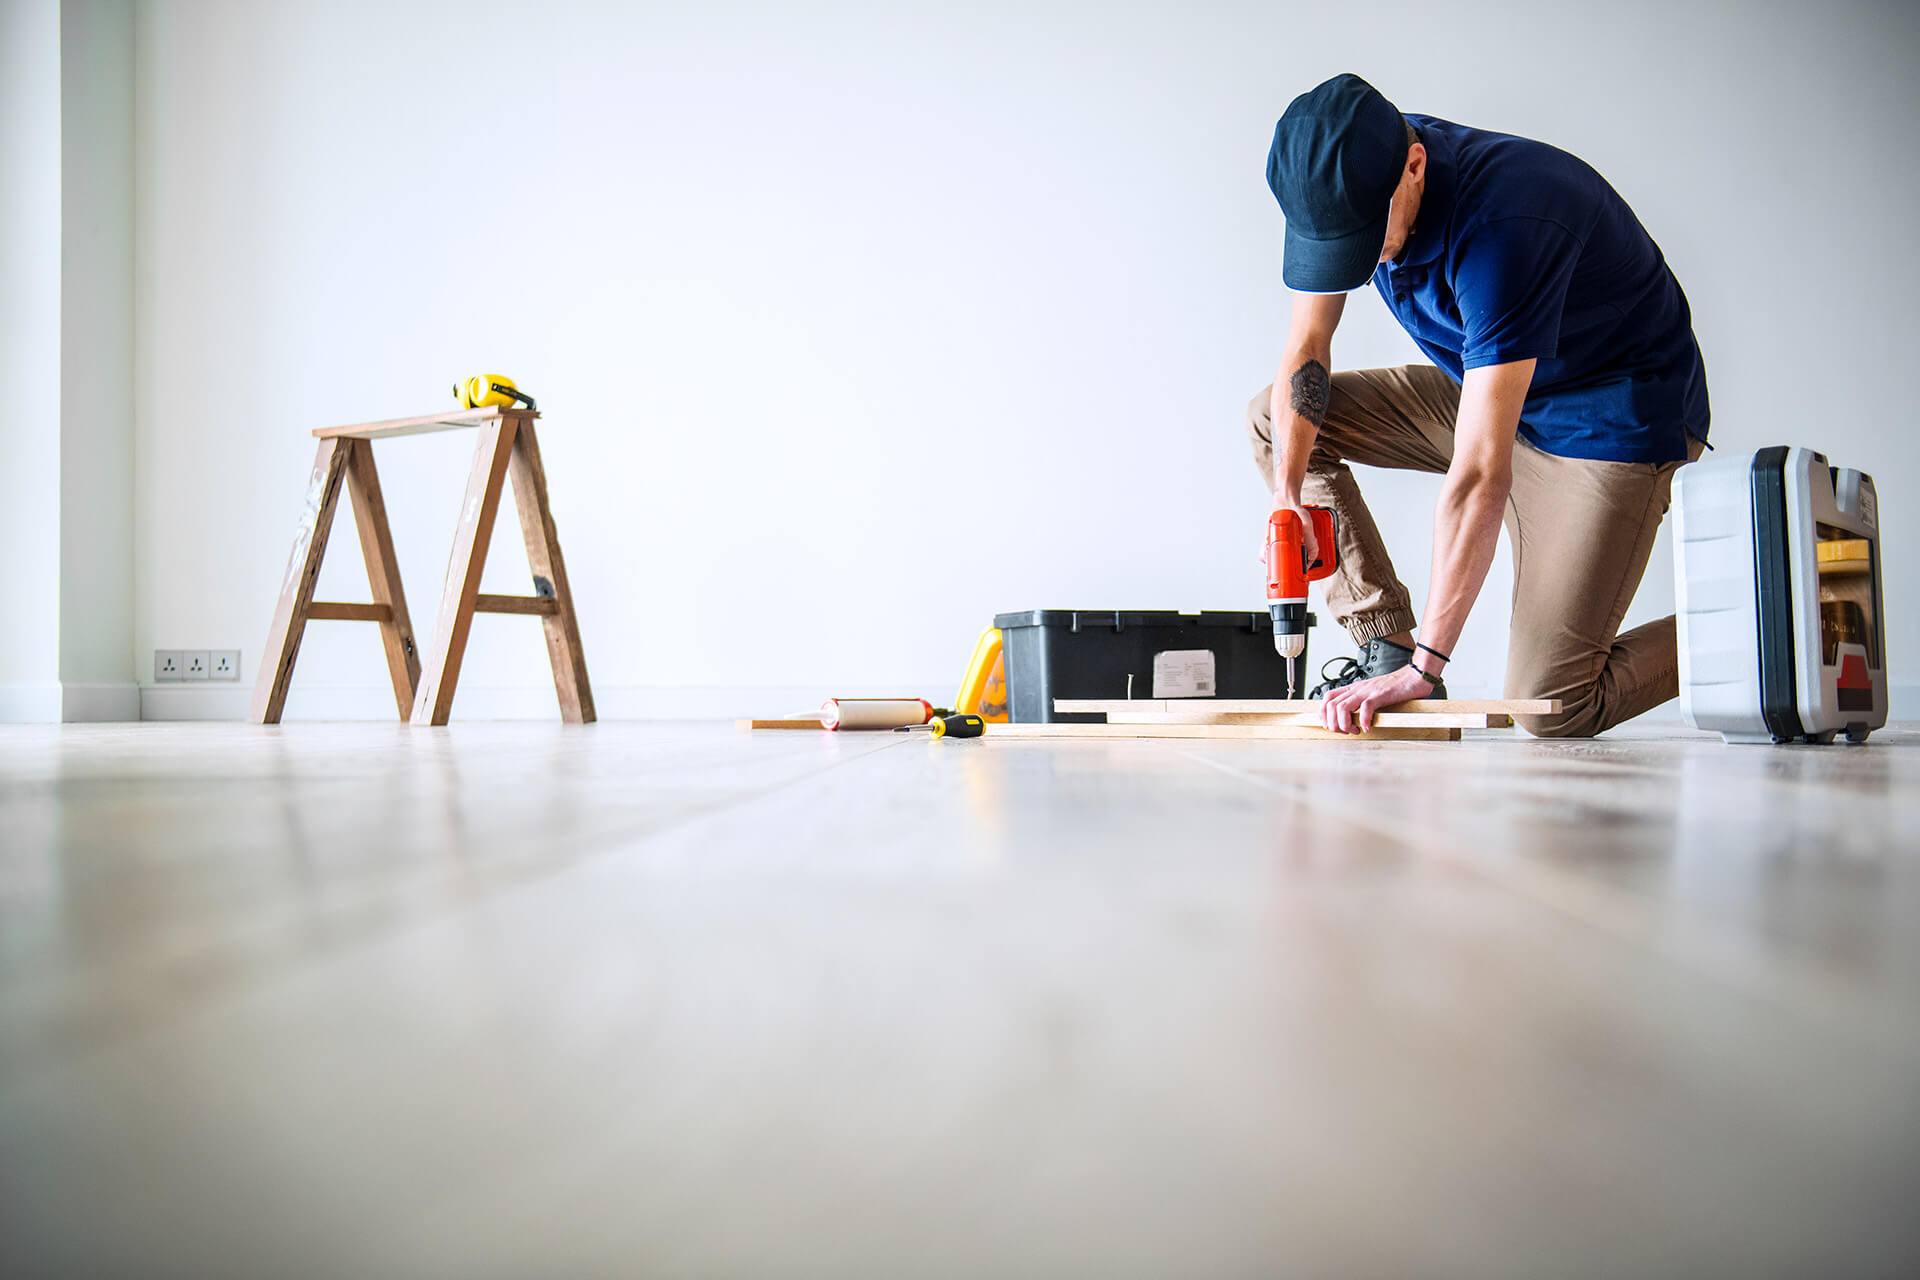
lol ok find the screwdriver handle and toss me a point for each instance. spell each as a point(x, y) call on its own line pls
point(963, 725)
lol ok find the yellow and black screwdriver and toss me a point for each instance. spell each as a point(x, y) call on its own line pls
point(949, 725)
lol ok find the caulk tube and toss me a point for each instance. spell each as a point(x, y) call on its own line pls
point(874, 713)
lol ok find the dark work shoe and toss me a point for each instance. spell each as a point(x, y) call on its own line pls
point(1377, 658)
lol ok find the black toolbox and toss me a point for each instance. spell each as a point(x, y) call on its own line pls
point(1151, 653)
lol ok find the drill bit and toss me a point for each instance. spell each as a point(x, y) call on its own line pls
point(1290, 645)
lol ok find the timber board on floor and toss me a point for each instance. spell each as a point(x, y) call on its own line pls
point(635, 999)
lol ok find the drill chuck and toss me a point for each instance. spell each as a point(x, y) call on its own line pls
point(1290, 623)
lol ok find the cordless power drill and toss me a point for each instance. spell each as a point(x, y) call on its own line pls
point(1288, 574)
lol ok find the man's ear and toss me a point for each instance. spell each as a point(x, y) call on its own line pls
point(1416, 161)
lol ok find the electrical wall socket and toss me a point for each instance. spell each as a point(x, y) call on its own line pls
point(196, 664)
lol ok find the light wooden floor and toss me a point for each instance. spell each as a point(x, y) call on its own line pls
point(521, 1000)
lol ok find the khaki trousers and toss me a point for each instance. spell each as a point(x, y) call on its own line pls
point(1581, 533)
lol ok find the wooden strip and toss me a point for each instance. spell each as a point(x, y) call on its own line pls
point(516, 604)
point(1282, 706)
point(383, 575)
point(433, 703)
point(778, 724)
point(1310, 719)
point(347, 611)
point(1277, 733)
point(562, 627)
point(296, 587)
point(454, 421)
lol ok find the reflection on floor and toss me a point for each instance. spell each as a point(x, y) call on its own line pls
point(524, 1000)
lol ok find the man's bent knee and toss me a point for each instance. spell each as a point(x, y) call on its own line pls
point(1590, 712)
point(1581, 722)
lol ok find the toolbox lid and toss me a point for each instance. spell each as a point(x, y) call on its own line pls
point(1125, 619)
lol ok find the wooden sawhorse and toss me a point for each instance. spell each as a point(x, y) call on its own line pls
point(426, 695)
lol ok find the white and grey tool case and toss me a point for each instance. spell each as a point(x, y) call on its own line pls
point(1777, 568)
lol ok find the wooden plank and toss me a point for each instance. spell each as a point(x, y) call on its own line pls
point(383, 575)
point(348, 611)
point(296, 587)
point(433, 702)
point(1282, 706)
point(1277, 733)
point(562, 627)
point(1384, 719)
point(516, 604)
point(455, 421)
point(778, 724)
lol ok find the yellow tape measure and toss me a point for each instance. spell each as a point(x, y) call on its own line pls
point(489, 389)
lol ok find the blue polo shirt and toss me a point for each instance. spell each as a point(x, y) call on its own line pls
point(1520, 251)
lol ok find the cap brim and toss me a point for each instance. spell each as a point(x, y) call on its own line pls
point(1339, 265)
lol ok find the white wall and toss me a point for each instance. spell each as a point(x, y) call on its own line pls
point(96, 361)
point(29, 359)
point(854, 324)
point(66, 361)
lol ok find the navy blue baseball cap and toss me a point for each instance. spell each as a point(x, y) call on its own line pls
point(1336, 159)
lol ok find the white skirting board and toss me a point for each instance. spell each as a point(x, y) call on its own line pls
point(95, 701)
point(52, 702)
point(199, 701)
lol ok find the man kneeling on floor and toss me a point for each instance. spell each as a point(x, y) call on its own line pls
point(1566, 389)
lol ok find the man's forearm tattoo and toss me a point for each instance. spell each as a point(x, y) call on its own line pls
point(1310, 387)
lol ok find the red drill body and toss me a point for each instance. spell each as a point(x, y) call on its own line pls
point(1288, 574)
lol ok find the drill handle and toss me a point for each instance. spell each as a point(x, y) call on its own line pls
point(1288, 570)
point(1326, 533)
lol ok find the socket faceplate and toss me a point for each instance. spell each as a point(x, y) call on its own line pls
point(195, 664)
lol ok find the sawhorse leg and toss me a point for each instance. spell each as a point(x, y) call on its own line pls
point(433, 703)
point(352, 460)
point(296, 588)
point(550, 579)
point(383, 574)
point(505, 445)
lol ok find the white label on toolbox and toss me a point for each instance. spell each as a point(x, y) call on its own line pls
point(1183, 673)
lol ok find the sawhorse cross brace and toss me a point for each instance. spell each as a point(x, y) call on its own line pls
point(425, 694)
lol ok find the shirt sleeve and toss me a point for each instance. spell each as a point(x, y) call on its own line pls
point(1511, 286)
